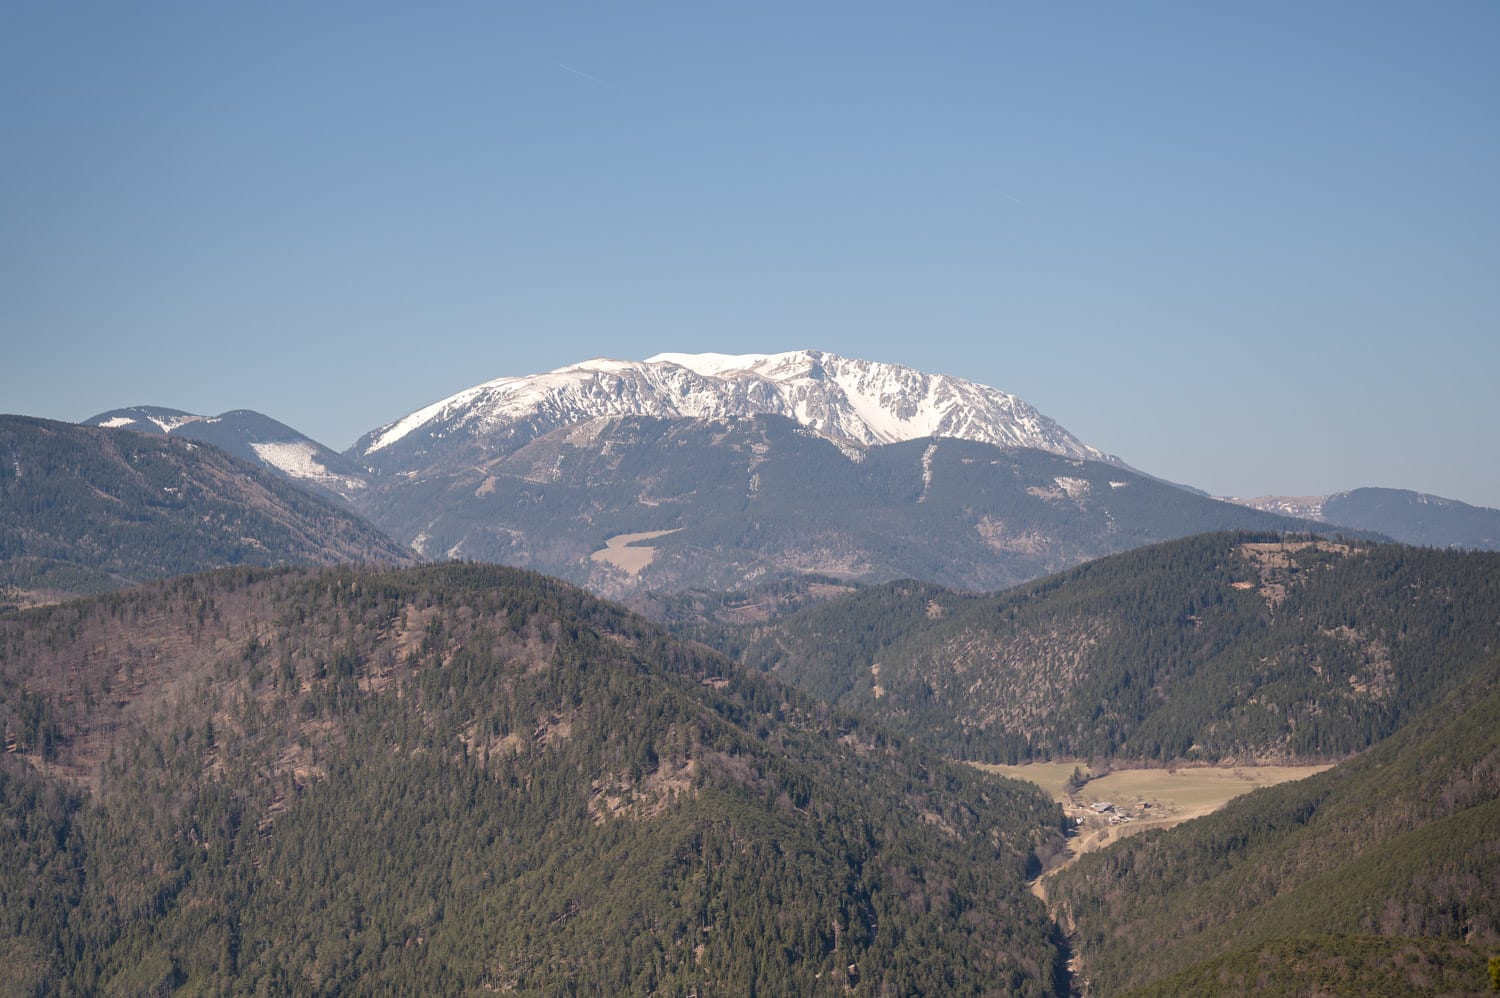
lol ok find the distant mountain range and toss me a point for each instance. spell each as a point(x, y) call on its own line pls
point(730, 502)
point(760, 466)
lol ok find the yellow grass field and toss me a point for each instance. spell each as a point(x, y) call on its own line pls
point(1189, 792)
point(621, 552)
point(1050, 776)
point(1139, 799)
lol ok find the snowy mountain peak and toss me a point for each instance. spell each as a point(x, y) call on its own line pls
point(854, 403)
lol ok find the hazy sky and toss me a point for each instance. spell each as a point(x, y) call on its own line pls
point(1253, 247)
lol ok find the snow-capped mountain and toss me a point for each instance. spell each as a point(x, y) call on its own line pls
point(853, 403)
point(250, 436)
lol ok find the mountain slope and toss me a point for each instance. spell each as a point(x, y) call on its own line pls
point(1209, 648)
point(756, 498)
point(1400, 514)
point(461, 779)
point(1414, 518)
point(1382, 870)
point(854, 403)
point(84, 509)
point(249, 436)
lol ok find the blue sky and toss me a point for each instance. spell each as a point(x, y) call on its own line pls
point(1250, 247)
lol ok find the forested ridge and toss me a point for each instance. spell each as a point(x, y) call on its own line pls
point(468, 778)
point(1223, 646)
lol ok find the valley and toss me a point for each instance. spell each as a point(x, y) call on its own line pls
point(1124, 801)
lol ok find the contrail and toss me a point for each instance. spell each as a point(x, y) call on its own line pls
point(577, 72)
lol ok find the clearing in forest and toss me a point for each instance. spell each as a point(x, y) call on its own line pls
point(1126, 801)
point(620, 551)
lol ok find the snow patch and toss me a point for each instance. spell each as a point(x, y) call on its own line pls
point(1302, 507)
point(927, 470)
point(711, 365)
point(298, 459)
point(170, 423)
point(1074, 487)
point(115, 422)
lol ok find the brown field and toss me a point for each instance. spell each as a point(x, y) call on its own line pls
point(620, 551)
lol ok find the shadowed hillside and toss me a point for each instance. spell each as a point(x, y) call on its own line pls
point(758, 499)
point(85, 509)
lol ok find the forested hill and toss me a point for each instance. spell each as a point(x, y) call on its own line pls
point(464, 779)
point(1210, 648)
point(85, 509)
point(1377, 877)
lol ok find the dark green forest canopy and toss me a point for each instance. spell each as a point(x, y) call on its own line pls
point(1334, 965)
point(464, 778)
point(1223, 646)
point(1382, 874)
